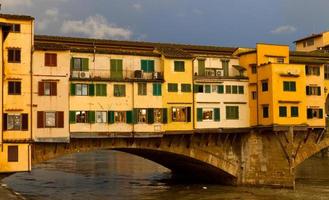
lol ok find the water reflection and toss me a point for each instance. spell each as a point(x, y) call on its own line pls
point(117, 175)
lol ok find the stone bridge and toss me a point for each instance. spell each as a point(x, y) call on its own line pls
point(258, 157)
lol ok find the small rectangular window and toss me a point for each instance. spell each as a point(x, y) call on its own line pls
point(14, 55)
point(294, 111)
point(186, 87)
point(172, 87)
point(179, 66)
point(80, 64)
point(50, 59)
point(207, 88)
point(158, 115)
point(15, 28)
point(119, 90)
point(101, 89)
point(228, 89)
point(142, 116)
point(50, 119)
point(234, 89)
point(179, 114)
point(283, 111)
point(280, 59)
point(81, 117)
point(289, 86)
point(13, 153)
point(100, 116)
point(220, 89)
point(142, 89)
point(253, 69)
point(119, 116)
point(198, 88)
point(46, 88)
point(241, 89)
point(232, 112)
point(81, 89)
point(264, 86)
point(14, 88)
point(265, 111)
point(207, 114)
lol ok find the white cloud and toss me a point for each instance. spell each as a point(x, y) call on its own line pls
point(286, 29)
point(95, 26)
point(137, 6)
point(50, 17)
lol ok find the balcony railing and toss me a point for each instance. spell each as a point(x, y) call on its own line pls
point(116, 75)
point(215, 73)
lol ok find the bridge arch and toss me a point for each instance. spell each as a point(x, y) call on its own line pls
point(180, 157)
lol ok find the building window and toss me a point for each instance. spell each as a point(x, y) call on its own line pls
point(313, 90)
point(179, 66)
point(142, 115)
point(80, 64)
point(207, 115)
point(14, 87)
point(172, 87)
point(47, 88)
point(294, 111)
point(326, 71)
point(81, 89)
point(280, 60)
point(310, 42)
point(13, 153)
point(207, 88)
point(186, 87)
point(283, 111)
point(82, 116)
point(241, 89)
point(142, 89)
point(147, 65)
point(181, 114)
point(50, 59)
point(119, 90)
point(157, 89)
point(101, 89)
point(289, 86)
point(265, 112)
point(119, 116)
point(254, 95)
point(14, 55)
point(15, 28)
point(50, 119)
point(264, 86)
point(312, 70)
point(234, 89)
point(225, 67)
point(100, 116)
point(228, 89)
point(220, 89)
point(198, 88)
point(158, 115)
point(253, 68)
point(232, 112)
point(314, 113)
point(15, 121)
point(116, 69)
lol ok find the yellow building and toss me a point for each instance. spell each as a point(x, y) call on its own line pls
point(17, 40)
point(313, 42)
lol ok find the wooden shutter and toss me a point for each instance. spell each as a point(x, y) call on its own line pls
point(72, 64)
point(53, 89)
point(54, 60)
point(4, 121)
point(319, 91)
point(47, 59)
point(309, 114)
point(91, 117)
point(72, 117)
point(110, 116)
point(201, 67)
point(220, 89)
point(307, 90)
point(150, 115)
point(320, 113)
point(41, 90)
point(188, 114)
point(135, 115)
point(85, 64)
point(60, 119)
point(199, 114)
point(40, 119)
point(17, 55)
point(91, 90)
point(72, 89)
point(129, 117)
point(165, 115)
point(13, 153)
point(25, 122)
point(216, 114)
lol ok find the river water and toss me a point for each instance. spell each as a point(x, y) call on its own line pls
point(115, 175)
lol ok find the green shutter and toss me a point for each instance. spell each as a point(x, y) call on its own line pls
point(199, 114)
point(110, 116)
point(188, 114)
point(165, 115)
point(72, 64)
point(309, 114)
point(283, 111)
point(186, 87)
point(72, 89)
point(151, 66)
point(157, 89)
point(91, 90)
point(234, 89)
point(179, 66)
point(201, 67)
point(72, 117)
point(207, 88)
point(91, 117)
point(216, 114)
point(144, 65)
point(294, 111)
point(98, 90)
point(172, 87)
point(135, 115)
point(116, 69)
point(241, 89)
point(85, 64)
point(321, 113)
point(150, 115)
point(220, 89)
point(129, 117)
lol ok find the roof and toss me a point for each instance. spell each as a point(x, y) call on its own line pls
point(170, 49)
point(309, 54)
point(50, 46)
point(20, 17)
point(314, 57)
point(309, 37)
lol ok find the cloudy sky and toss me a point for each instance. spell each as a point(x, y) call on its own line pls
point(211, 22)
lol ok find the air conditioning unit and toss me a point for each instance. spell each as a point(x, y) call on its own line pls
point(156, 75)
point(75, 74)
point(209, 73)
point(84, 75)
point(219, 73)
point(138, 74)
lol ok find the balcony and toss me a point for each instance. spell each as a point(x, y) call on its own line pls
point(125, 75)
point(216, 73)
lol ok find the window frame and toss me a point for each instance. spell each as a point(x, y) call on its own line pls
point(119, 90)
point(179, 66)
point(16, 55)
point(50, 59)
point(17, 88)
point(142, 89)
